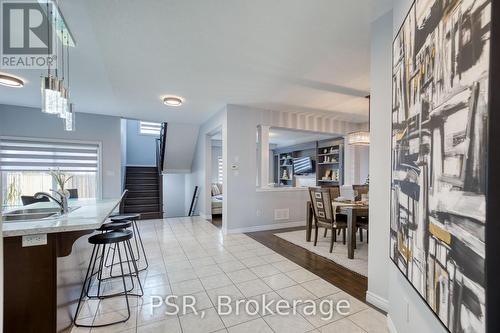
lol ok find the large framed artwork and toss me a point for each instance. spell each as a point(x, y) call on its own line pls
point(440, 116)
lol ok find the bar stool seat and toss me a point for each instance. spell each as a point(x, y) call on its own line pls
point(120, 217)
point(111, 237)
point(139, 245)
point(115, 226)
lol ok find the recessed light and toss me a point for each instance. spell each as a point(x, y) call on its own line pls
point(11, 81)
point(173, 100)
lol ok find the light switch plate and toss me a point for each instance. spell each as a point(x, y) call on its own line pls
point(34, 240)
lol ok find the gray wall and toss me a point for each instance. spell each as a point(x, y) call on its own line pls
point(31, 122)
point(141, 149)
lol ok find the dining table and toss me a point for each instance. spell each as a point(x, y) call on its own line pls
point(352, 210)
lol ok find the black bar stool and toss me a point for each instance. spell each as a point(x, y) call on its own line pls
point(137, 234)
point(120, 238)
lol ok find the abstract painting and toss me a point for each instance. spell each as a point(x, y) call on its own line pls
point(440, 74)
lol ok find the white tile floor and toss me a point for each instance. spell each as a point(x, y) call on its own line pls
point(189, 256)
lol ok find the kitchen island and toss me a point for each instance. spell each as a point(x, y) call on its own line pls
point(45, 261)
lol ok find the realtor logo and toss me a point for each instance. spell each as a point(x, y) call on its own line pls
point(27, 38)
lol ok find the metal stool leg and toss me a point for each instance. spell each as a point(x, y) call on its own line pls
point(134, 263)
point(89, 279)
point(134, 223)
point(124, 293)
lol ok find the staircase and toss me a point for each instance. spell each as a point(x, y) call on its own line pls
point(144, 196)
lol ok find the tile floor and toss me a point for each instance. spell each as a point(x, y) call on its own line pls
point(190, 256)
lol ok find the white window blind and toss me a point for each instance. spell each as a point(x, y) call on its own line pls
point(149, 128)
point(18, 154)
point(220, 176)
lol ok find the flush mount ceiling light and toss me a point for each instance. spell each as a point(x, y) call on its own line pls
point(11, 81)
point(173, 100)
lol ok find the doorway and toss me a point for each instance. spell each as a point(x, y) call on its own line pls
point(216, 177)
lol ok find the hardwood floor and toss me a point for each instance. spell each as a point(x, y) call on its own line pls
point(351, 282)
point(217, 221)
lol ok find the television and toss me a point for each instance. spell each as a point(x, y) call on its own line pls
point(302, 165)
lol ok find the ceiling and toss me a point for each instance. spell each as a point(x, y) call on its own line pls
point(284, 137)
point(297, 55)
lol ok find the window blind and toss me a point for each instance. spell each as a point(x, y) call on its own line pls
point(17, 154)
point(220, 174)
point(149, 128)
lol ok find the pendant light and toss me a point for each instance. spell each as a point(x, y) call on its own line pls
point(360, 138)
point(55, 95)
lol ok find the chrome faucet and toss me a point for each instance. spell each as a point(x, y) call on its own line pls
point(63, 203)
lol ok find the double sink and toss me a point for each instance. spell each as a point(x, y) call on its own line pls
point(30, 214)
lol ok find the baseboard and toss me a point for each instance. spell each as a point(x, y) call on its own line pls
point(267, 227)
point(141, 165)
point(390, 325)
point(377, 301)
point(176, 171)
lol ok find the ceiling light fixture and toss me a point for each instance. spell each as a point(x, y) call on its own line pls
point(360, 138)
point(173, 100)
point(11, 81)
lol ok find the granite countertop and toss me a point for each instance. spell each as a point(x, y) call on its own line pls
point(88, 215)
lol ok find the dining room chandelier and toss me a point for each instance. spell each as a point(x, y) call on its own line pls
point(361, 137)
point(55, 87)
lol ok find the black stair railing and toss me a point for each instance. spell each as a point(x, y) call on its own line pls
point(160, 162)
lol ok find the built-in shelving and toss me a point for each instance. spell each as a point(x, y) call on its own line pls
point(330, 162)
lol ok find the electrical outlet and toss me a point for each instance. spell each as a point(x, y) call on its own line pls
point(34, 240)
point(258, 212)
point(281, 214)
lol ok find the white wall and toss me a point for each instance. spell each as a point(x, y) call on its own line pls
point(202, 157)
point(180, 149)
point(174, 193)
point(380, 161)
point(356, 162)
point(31, 122)
point(123, 139)
point(247, 207)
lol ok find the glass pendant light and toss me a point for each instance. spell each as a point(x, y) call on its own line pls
point(55, 88)
point(62, 100)
point(49, 96)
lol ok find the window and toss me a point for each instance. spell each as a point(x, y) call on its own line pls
point(25, 165)
point(220, 175)
point(148, 128)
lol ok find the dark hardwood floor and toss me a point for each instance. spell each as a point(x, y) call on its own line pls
point(217, 220)
point(351, 282)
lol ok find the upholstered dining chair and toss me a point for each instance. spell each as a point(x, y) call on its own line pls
point(323, 214)
point(362, 221)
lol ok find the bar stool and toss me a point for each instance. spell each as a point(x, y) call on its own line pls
point(120, 238)
point(137, 234)
point(108, 227)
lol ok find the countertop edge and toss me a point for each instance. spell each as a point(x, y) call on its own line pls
point(57, 229)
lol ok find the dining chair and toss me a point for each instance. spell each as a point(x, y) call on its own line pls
point(73, 193)
point(362, 221)
point(360, 189)
point(28, 199)
point(323, 214)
